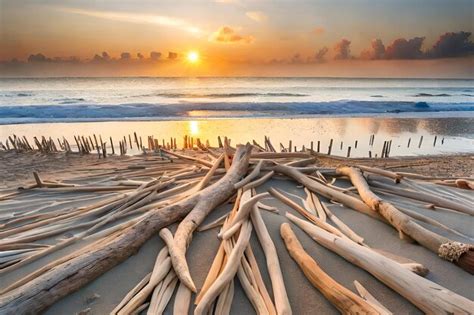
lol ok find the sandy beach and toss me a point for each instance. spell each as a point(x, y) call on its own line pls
point(101, 295)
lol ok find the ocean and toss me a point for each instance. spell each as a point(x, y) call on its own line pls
point(40, 100)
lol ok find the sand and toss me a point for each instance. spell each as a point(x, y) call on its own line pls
point(105, 292)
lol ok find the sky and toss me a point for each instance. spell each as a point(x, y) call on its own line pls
point(381, 38)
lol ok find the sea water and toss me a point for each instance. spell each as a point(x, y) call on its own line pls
point(28, 100)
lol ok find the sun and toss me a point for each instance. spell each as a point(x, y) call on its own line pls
point(193, 56)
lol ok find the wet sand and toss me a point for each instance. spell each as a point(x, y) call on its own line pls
point(453, 134)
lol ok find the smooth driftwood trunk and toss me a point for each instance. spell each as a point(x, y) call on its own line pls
point(326, 191)
point(428, 296)
point(343, 299)
point(282, 302)
point(404, 224)
point(67, 277)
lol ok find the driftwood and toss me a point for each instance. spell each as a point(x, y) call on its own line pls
point(228, 272)
point(370, 298)
point(164, 187)
point(326, 191)
point(421, 196)
point(343, 299)
point(184, 232)
point(428, 296)
point(406, 226)
point(82, 268)
point(282, 303)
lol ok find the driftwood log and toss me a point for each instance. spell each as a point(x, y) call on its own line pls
point(343, 299)
point(80, 269)
point(461, 254)
point(428, 296)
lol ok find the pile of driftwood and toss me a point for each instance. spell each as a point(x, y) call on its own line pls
point(113, 211)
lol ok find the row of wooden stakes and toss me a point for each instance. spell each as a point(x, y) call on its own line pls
point(91, 144)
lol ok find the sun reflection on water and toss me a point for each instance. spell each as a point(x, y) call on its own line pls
point(194, 127)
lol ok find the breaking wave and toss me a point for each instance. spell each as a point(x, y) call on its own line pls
point(94, 112)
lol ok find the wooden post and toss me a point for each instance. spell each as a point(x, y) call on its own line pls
point(434, 142)
point(112, 146)
point(130, 141)
point(342, 144)
point(330, 147)
point(348, 151)
point(312, 147)
point(421, 141)
point(370, 154)
point(409, 140)
point(289, 146)
point(442, 141)
point(319, 145)
point(355, 144)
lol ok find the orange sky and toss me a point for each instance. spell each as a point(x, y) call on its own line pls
point(425, 38)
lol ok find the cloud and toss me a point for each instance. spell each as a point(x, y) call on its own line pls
point(172, 55)
point(405, 49)
point(342, 49)
point(162, 20)
point(154, 55)
point(225, 34)
point(125, 56)
point(451, 45)
point(319, 57)
point(38, 58)
point(257, 16)
point(376, 50)
point(318, 31)
point(104, 57)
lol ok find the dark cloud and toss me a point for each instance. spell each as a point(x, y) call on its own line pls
point(125, 56)
point(405, 49)
point(38, 58)
point(376, 50)
point(154, 55)
point(319, 57)
point(172, 55)
point(451, 45)
point(342, 49)
point(102, 57)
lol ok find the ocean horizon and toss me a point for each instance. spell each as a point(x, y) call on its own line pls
point(34, 100)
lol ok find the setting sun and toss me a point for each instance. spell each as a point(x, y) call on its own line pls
point(193, 56)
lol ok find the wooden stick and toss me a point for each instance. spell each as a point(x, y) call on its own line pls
point(400, 221)
point(428, 296)
point(421, 196)
point(229, 271)
point(30, 297)
point(343, 299)
point(182, 300)
point(370, 299)
point(273, 265)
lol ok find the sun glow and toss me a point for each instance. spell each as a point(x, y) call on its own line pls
point(193, 56)
point(194, 127)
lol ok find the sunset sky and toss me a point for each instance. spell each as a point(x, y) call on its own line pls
point(413, 38)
